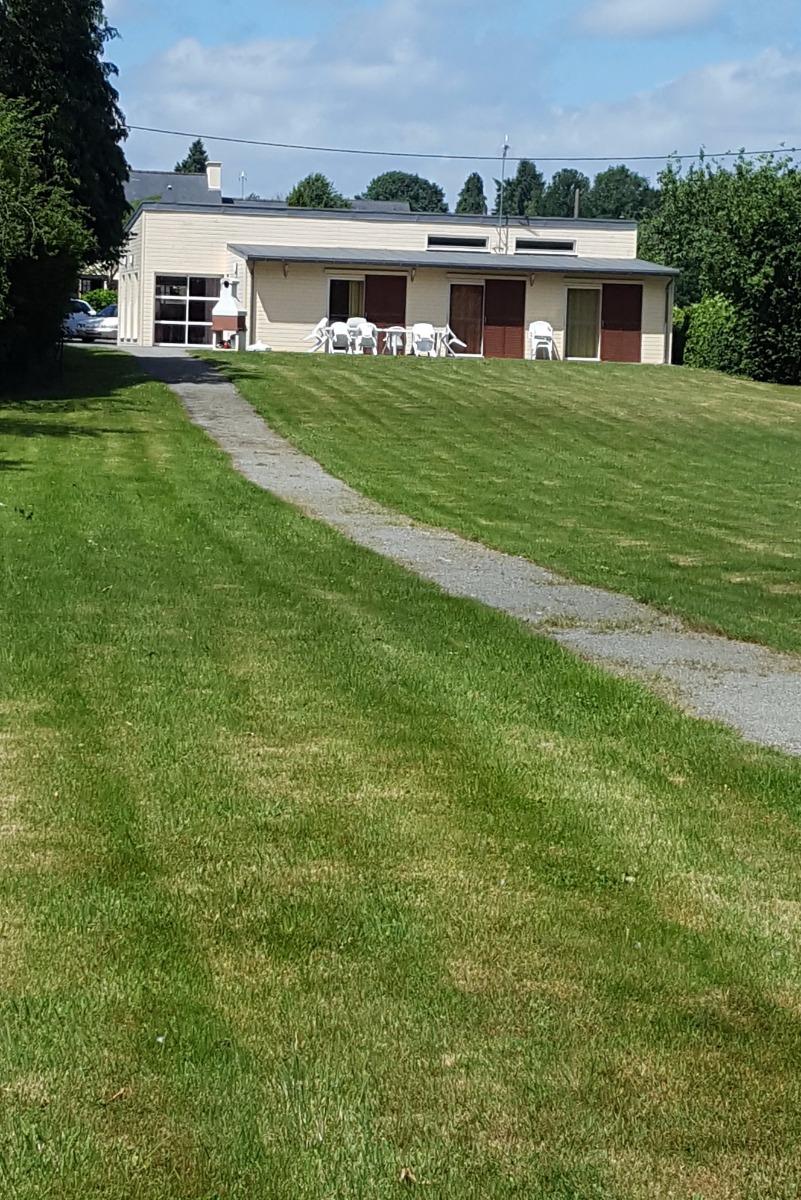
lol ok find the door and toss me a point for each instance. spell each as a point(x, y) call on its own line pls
point(621, 322)
point(467, 315)
point(385, 300)
point(583, 322)
point(504, 316)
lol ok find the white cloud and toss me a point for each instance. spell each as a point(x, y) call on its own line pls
point(408, 81)
point(646, 18)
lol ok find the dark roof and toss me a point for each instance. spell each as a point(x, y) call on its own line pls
point(391, 215)
point(170, 187)
point(519, 264)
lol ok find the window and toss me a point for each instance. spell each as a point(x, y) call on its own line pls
point(539, 245)
point(183, 307)
point(457, 243)
point(345, 299)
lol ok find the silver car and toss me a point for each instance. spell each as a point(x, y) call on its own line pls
point(103, 325)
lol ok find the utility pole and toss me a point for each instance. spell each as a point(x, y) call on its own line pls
point(576, 201)
point(503, 239)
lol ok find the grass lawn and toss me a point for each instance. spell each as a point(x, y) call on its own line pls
point(311, 876)
point(681, 488)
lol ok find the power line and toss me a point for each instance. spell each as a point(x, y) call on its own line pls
point(587, 158)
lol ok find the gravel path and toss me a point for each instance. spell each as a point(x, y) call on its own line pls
point(755, 690)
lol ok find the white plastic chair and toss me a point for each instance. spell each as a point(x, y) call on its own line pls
point(449, 340)
point(319, 335)
point(540, 336)
point(424, 340)
point(393, 340)
point(367, 338)
point(339, 339)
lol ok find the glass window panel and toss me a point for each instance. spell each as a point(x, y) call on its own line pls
point(170, 334)
point(200, 310)
point(200, 286)
point(583, 322)
point(356, 298)
point(338, 300)
point(170, 310)
point(199, 335)
point(170, 285)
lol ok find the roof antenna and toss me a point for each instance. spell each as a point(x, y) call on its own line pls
point(242, 178)
point(502, 242)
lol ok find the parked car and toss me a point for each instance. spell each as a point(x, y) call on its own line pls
point(78, 314)
point(104, 324)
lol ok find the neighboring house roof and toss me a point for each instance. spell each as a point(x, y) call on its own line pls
point(170, 187)
point(520, 264)
point(390, 214)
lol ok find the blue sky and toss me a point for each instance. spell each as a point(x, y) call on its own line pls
point(611, 78)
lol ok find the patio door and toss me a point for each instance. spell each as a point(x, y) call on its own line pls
point(467, 315)
point(583, 332)
point(504, 315)
point(385, 300)
point(621, 322)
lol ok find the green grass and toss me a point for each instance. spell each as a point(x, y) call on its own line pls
point(678, 487)
point(310, 874)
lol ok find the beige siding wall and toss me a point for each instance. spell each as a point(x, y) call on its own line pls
point(288, 307)
point(284, 308)
point(654, 329)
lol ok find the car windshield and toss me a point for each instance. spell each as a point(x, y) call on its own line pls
point(109, 311)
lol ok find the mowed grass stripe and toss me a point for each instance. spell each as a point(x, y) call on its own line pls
point(397, 885)
point(680, 488)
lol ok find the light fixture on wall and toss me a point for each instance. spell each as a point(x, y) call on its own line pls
point(285, 266)
point(531, 279)
point(413, 273)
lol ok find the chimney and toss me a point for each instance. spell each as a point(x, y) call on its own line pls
point(214, 176)
point(227, 317)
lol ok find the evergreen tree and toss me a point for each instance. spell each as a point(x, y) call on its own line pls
point(522, 194)
point(421, 194)
point(196, 160)
point(316, 191)
point(622, 193)
point(559, 197)
point(51, 57)
point(472, 198)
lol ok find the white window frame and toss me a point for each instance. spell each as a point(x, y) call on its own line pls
point(186, 324)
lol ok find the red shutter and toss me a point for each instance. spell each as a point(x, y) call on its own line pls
point(504, 316)
point(621, 322)
point(385, 300)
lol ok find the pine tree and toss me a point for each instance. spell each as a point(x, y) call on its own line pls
point(51, 57)
point(196, 160)
point(472, 198)
point(522, 193)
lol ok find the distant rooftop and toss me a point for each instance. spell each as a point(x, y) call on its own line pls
point(170, 187)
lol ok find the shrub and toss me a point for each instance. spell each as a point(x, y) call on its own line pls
point(100, 298)
point(714, 336)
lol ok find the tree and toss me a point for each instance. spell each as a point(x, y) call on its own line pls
point(43, 238)
point(422, 194)
point(472, 198)
point(196, 160)
point(620, 193)
point(522, 194)
point(733, 233)
point(51, 57)
point(316, 191)
point(559, 198)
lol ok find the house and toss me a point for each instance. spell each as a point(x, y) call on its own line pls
point(289, 267)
